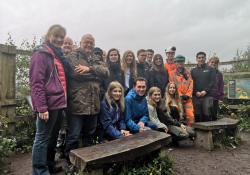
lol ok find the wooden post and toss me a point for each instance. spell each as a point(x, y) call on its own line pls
point(8, 84)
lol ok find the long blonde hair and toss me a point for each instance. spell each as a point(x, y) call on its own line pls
point(171, 99)
point(132, 66)
point(108, 95)
point(150, 93)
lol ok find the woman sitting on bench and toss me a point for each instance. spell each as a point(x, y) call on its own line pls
point(154, 105)
point(172, 114)
point(111, 117)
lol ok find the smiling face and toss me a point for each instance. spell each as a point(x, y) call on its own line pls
point(172, 89)
point(201, 59)
point(67, 45)
point(156, 96)
point(56, 39)
point(170, 57)
point(129, 58)
point(140, 87)
point(113, 56)
point(87, 43)
point(149, 56)
point(116, 94)
point(158, 61)
point(142, 57)
point(213, 63)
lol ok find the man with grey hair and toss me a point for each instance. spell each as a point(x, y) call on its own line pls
point(84, 92)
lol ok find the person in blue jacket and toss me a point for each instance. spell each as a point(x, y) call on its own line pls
point(111, 117)
point(136, 108)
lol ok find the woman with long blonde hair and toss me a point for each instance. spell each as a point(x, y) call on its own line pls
point(111, 116)
point(154, 104)
point(129, 69)
point(172, 114)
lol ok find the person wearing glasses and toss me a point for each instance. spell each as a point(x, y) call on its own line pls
point(204, 78)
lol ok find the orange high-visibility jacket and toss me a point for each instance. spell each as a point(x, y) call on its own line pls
point(184, 87)
point(171, 69)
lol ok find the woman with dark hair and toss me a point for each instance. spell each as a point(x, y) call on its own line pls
point(171, 114)
point(48, 93)
point(114, 65)
point(129, 69)
point(158, 75)
point(111, 117)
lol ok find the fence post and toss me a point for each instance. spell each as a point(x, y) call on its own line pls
point(8, 85)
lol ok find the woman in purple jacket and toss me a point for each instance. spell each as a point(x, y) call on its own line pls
point(111, 116)
point(218, 89)
point(48, 93)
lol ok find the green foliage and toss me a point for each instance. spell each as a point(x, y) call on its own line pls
point(7, 145)
point(242, 112)
point(242, 66)
point(159, 166)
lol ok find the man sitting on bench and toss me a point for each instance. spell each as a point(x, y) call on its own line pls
point(136, 109)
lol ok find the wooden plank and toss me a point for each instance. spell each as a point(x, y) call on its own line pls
point(127, 148)
point(219, 124)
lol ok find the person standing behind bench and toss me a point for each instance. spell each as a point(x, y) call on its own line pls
point(48, 93)
point(142, 67)
point(218, 90)
point(129, 69)
point(203, 82)
point(158, 75)
point(112, 108)
point(184, 82)
point(113, 62)
point(136, 109)
point(84, 93)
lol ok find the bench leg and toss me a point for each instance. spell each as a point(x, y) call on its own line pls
point(204, 139)
point(163, 152)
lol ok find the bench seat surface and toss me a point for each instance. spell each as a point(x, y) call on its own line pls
point(126, 148)
point(219, 124)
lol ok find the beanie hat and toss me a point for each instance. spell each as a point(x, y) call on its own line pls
point(179, 58)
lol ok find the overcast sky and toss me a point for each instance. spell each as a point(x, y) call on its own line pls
point(213, 26)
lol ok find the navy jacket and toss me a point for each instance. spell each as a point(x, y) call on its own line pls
point(111, 120)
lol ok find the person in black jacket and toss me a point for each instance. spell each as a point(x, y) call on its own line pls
point(204, 78)
point(142, 67)
point(114, 65)
point(158, 75)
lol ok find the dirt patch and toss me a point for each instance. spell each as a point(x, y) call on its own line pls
point(192, 161)
point(188, 160)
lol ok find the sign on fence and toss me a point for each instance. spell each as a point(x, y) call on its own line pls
point(239, 88)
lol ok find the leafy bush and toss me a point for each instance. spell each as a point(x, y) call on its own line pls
point(159, 166)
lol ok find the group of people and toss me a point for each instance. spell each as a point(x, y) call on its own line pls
point(108, 96)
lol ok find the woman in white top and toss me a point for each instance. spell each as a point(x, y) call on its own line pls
point(129, 69)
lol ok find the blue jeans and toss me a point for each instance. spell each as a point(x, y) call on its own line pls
point(79, 124)
point(43, 152)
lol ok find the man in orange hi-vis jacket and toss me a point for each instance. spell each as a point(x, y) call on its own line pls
point(184, 82)
point(170, 65)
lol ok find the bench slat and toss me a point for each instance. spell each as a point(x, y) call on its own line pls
point(219, 124)
point(126, 148)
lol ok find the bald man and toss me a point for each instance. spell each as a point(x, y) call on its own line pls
point(84, 92)
point(67, 45)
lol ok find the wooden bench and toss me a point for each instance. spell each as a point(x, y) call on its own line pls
point(205, 131)
point(124, 149)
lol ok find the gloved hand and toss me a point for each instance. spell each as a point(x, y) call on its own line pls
point(185, 97)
